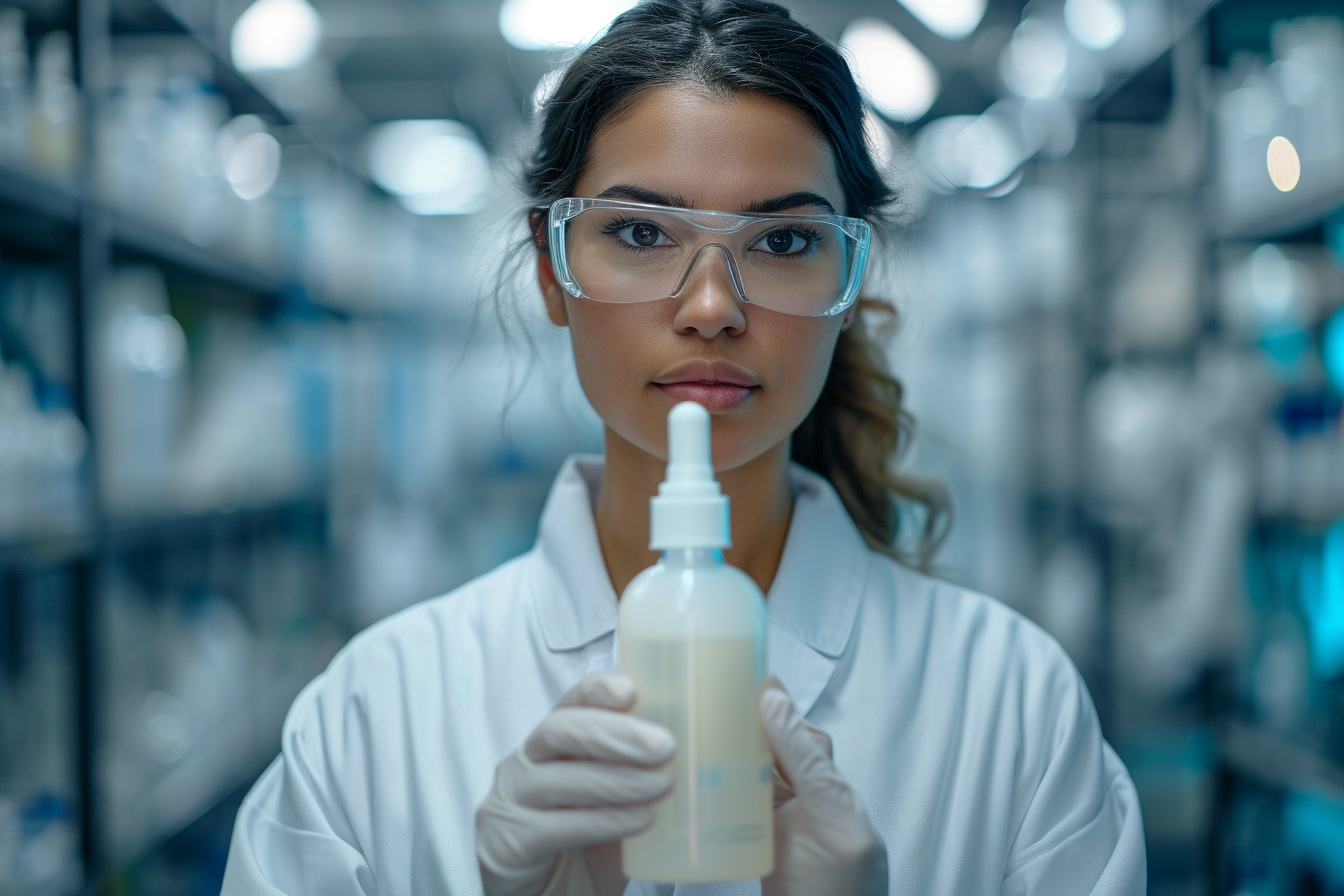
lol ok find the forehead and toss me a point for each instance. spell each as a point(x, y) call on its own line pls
point(715, 152)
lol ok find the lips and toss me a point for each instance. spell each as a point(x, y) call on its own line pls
point(717, 385)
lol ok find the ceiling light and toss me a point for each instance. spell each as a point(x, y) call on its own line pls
point(1096, 24)
point(952, 19)
point(978, 152)
point(275, 35)
point(542, 24)
point(1285, 168)
point(433, 166)
point(898, 80)
point(1034, 64)
point(248, 156)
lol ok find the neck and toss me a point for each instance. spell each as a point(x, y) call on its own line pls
point(760, 503)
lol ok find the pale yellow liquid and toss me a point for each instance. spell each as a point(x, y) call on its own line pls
point(717, 822)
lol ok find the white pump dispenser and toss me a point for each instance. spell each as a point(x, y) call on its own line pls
point(692, 636)
point(689, 511)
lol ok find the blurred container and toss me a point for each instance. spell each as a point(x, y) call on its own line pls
point(139, 385)
point(55, 127)
point(14, 87)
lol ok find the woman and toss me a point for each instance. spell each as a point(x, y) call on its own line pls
point(481, 742)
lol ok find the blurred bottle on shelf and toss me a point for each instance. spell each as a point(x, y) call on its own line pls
point(40, 461)
point(168, 153)
point(54, 130)
point(42, 442)
point(242, 442)
point(13, 87)
point(125, 150)
point(178, 712)
point(38, 831)
point(139, 389)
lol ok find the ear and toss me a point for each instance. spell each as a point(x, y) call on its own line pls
point(848, 320)
point(552, 293)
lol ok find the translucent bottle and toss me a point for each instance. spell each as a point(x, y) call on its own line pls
point(54, 116)
point(692, 636)
point(13, 87)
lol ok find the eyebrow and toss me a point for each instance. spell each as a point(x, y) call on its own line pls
point(796, 199)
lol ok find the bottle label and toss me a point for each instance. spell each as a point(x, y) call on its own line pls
point(716, 823)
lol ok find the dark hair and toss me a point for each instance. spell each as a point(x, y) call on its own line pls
point(859, 426)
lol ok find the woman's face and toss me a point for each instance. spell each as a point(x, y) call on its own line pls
point(635, 361)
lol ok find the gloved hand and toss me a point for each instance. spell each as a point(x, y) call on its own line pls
point(823, 840)
point(584, 778)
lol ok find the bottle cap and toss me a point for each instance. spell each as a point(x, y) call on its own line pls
point(689, 511)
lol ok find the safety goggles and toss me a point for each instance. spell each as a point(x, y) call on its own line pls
point(609, 250)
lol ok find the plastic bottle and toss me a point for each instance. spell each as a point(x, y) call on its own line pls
point(692, 636)
point(13, 87)
point(54, 131)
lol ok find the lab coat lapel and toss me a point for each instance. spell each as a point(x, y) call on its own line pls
point(813, 601)
point(815, 597)
point(575, 603)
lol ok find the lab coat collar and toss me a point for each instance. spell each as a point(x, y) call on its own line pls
point(585, 608)
point(813, 600)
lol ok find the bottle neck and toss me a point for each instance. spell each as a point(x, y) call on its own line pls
point(692, 556)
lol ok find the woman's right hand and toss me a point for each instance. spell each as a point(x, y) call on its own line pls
point(584, 778)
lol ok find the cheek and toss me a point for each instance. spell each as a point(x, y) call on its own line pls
point(800, 351)
point(615, 348)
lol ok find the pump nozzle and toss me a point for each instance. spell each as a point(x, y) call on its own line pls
point(689, 510)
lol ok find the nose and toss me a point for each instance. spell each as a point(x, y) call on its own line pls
point(710, 294)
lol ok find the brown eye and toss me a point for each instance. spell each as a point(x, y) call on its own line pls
point(643, 234)
point(779, 241)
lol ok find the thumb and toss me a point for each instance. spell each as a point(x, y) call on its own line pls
point(803, 759)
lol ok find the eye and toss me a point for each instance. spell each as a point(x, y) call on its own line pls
point(641, 234)
point(786, 242)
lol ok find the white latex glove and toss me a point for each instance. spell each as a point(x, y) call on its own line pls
point(583, 779)
point(823, 840)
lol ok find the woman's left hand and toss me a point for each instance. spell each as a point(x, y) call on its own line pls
point(823, 840)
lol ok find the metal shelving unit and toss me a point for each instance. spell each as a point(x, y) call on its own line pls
point(88, 235)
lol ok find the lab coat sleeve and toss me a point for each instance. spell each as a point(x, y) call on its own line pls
point(1082, 831)
point(293, 836)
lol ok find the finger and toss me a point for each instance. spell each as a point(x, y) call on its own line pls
point(781, 792)
point(553, 830)
point(582, 732)
point(567, 784)
point(606, 688)
point(822, 738)
point(803, 760)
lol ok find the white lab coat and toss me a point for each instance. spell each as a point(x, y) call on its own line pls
point(963, 727)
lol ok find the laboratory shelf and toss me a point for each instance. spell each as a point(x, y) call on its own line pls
point(195, 21)
point(131, 233)
point(155, 530)
point(237, 752)
point(185, 527)
point(43, 198)
point(247, 94)
point(37, 195)
point(1258, 210)
point(1278, 761)
point(84, 234)
point(45, 549)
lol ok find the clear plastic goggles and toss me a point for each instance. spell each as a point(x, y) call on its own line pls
point(615, 251)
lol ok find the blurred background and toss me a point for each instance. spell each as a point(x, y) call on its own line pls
point(252, 381)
